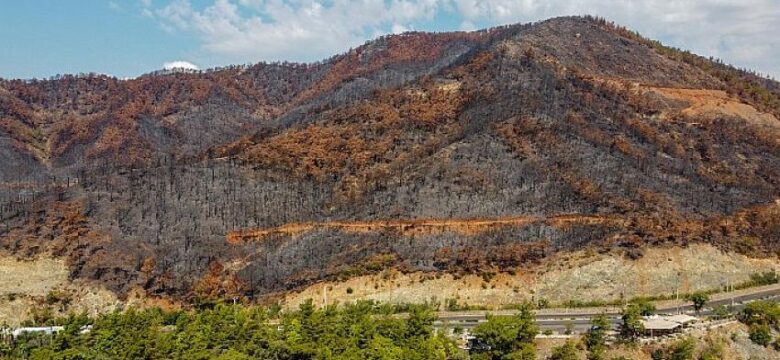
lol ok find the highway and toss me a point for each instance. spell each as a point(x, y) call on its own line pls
point(578, 319)
point(558, 320)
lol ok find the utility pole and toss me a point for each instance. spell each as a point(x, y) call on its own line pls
point(731, 293)
point(677, 293)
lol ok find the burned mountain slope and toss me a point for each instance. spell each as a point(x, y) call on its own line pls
point(462, 152)
point(71, 122)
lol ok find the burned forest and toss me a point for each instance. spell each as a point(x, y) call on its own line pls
point(460, 152)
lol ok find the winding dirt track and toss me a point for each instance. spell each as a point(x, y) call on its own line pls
point(413, 227)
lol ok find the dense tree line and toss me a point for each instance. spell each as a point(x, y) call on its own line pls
point(364, 330)
point(360, 331)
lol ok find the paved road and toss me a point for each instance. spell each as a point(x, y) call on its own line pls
point(558, 320)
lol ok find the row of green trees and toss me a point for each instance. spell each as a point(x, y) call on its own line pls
point(364, 330)
point(359, 331)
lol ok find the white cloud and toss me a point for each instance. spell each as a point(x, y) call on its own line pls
point(398, 29)
point(253, 30)
point(180, 64)
point(744, 33)
point(467, 26)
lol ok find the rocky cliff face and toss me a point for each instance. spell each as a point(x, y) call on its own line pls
point(459, 152)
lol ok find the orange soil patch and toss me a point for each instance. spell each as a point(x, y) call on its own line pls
point(709, 103)
point(450, 86)
point(239, 236)
point(704, 103)
point(410, 227)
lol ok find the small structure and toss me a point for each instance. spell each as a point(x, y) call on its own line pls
point(48, 330)
point(682, 319)
point(86, 329)
point(655, 325)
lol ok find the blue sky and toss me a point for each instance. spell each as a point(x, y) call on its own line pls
point(44, 38)
point(41, 38)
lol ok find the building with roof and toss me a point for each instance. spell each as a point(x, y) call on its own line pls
point(655, 326)
point(48, 330)
point(666, 324)
point(682, 319)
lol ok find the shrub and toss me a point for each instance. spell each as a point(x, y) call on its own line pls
point(631, 326)
point(543, 303)
point(699, 299)
point(765, 278)
point(646, 308)
point(713, 351)
point(682, 350)
point(760, 334)
point(507, 336)
point(761, 312)
point(760, 279)
point(566, 351)
point(58, 296)
point(720, 312)
point(595, 338)
point(569, 328)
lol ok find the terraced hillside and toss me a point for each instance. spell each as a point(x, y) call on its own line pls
point(481, 152)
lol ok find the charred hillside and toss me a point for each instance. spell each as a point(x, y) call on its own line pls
point(462, 152)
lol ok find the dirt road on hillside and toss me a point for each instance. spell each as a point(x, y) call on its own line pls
point(414, 227)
